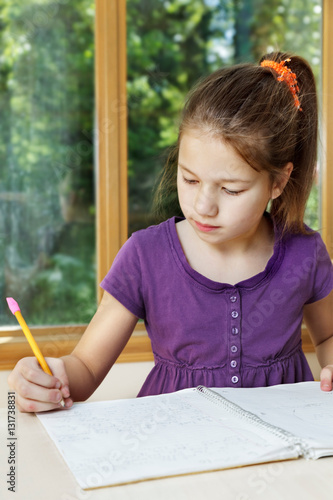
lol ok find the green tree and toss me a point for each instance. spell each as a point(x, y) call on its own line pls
point(46, 189)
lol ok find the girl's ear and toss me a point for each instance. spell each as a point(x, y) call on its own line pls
point(280, 183)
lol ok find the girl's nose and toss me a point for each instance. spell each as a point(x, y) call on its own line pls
point(205, 204)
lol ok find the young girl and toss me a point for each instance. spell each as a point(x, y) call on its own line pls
point(224, 289)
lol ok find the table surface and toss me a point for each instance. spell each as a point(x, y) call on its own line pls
point(42, 474)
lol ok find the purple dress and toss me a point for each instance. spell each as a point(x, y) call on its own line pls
point(216, 334)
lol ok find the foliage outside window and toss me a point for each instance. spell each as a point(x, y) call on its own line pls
point(47, 223)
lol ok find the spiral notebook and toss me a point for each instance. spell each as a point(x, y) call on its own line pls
point(193, 430)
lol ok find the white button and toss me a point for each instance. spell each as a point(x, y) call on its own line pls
point(233, 348)
point(233, 363)
point(234, 314)
point(234, 379)
point(233, 298)
point(234, 330)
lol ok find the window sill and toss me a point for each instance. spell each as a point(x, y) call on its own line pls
point(56, 341)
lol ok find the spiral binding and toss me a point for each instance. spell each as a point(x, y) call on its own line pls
point(298, 444)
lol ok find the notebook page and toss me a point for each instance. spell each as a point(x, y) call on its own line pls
point(302, 409)
point(114, 442)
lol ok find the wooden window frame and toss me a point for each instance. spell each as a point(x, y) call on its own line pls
point(327, 127)
point(111, 178)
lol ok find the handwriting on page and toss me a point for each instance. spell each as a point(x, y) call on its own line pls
point(126, 440)
point(302, 409)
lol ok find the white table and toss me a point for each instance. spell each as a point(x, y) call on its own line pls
point(41, 473)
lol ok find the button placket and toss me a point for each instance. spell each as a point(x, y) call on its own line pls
point(234, 337)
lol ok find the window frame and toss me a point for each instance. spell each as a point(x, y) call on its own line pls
point(327, 127)
point(111, 147)
point(111, 179)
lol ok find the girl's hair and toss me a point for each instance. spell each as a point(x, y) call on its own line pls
point(247, 107)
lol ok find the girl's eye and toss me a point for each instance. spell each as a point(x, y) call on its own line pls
point(189, 181)
point(232, 193)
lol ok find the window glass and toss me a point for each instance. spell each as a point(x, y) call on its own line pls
point(47, 226)
point(171, 44)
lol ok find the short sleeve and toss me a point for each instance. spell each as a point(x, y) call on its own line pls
point(124, 279)
point(323, 272)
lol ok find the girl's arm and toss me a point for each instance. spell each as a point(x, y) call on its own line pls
point(98, 349)
point(318, 318)
point(78, 375)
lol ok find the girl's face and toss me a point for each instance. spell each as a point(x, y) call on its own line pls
point(221, 196)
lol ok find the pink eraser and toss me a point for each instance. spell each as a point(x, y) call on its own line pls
point(13, 305)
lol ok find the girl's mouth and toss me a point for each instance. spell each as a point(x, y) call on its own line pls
point(205, 227)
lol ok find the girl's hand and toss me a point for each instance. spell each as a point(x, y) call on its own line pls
point(36, 390)
point(326, 377)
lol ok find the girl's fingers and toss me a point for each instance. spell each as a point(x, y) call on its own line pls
point(28, 405)
point(31, 397)
point(58, 369)
point(326, 376)
point(30, 370)
point(38, 391)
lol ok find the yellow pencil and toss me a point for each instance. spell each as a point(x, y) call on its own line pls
point(14, 307)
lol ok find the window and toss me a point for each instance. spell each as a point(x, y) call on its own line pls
point(110, 137)
point(47, 159)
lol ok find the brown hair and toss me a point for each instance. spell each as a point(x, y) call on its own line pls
point(248, 108)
